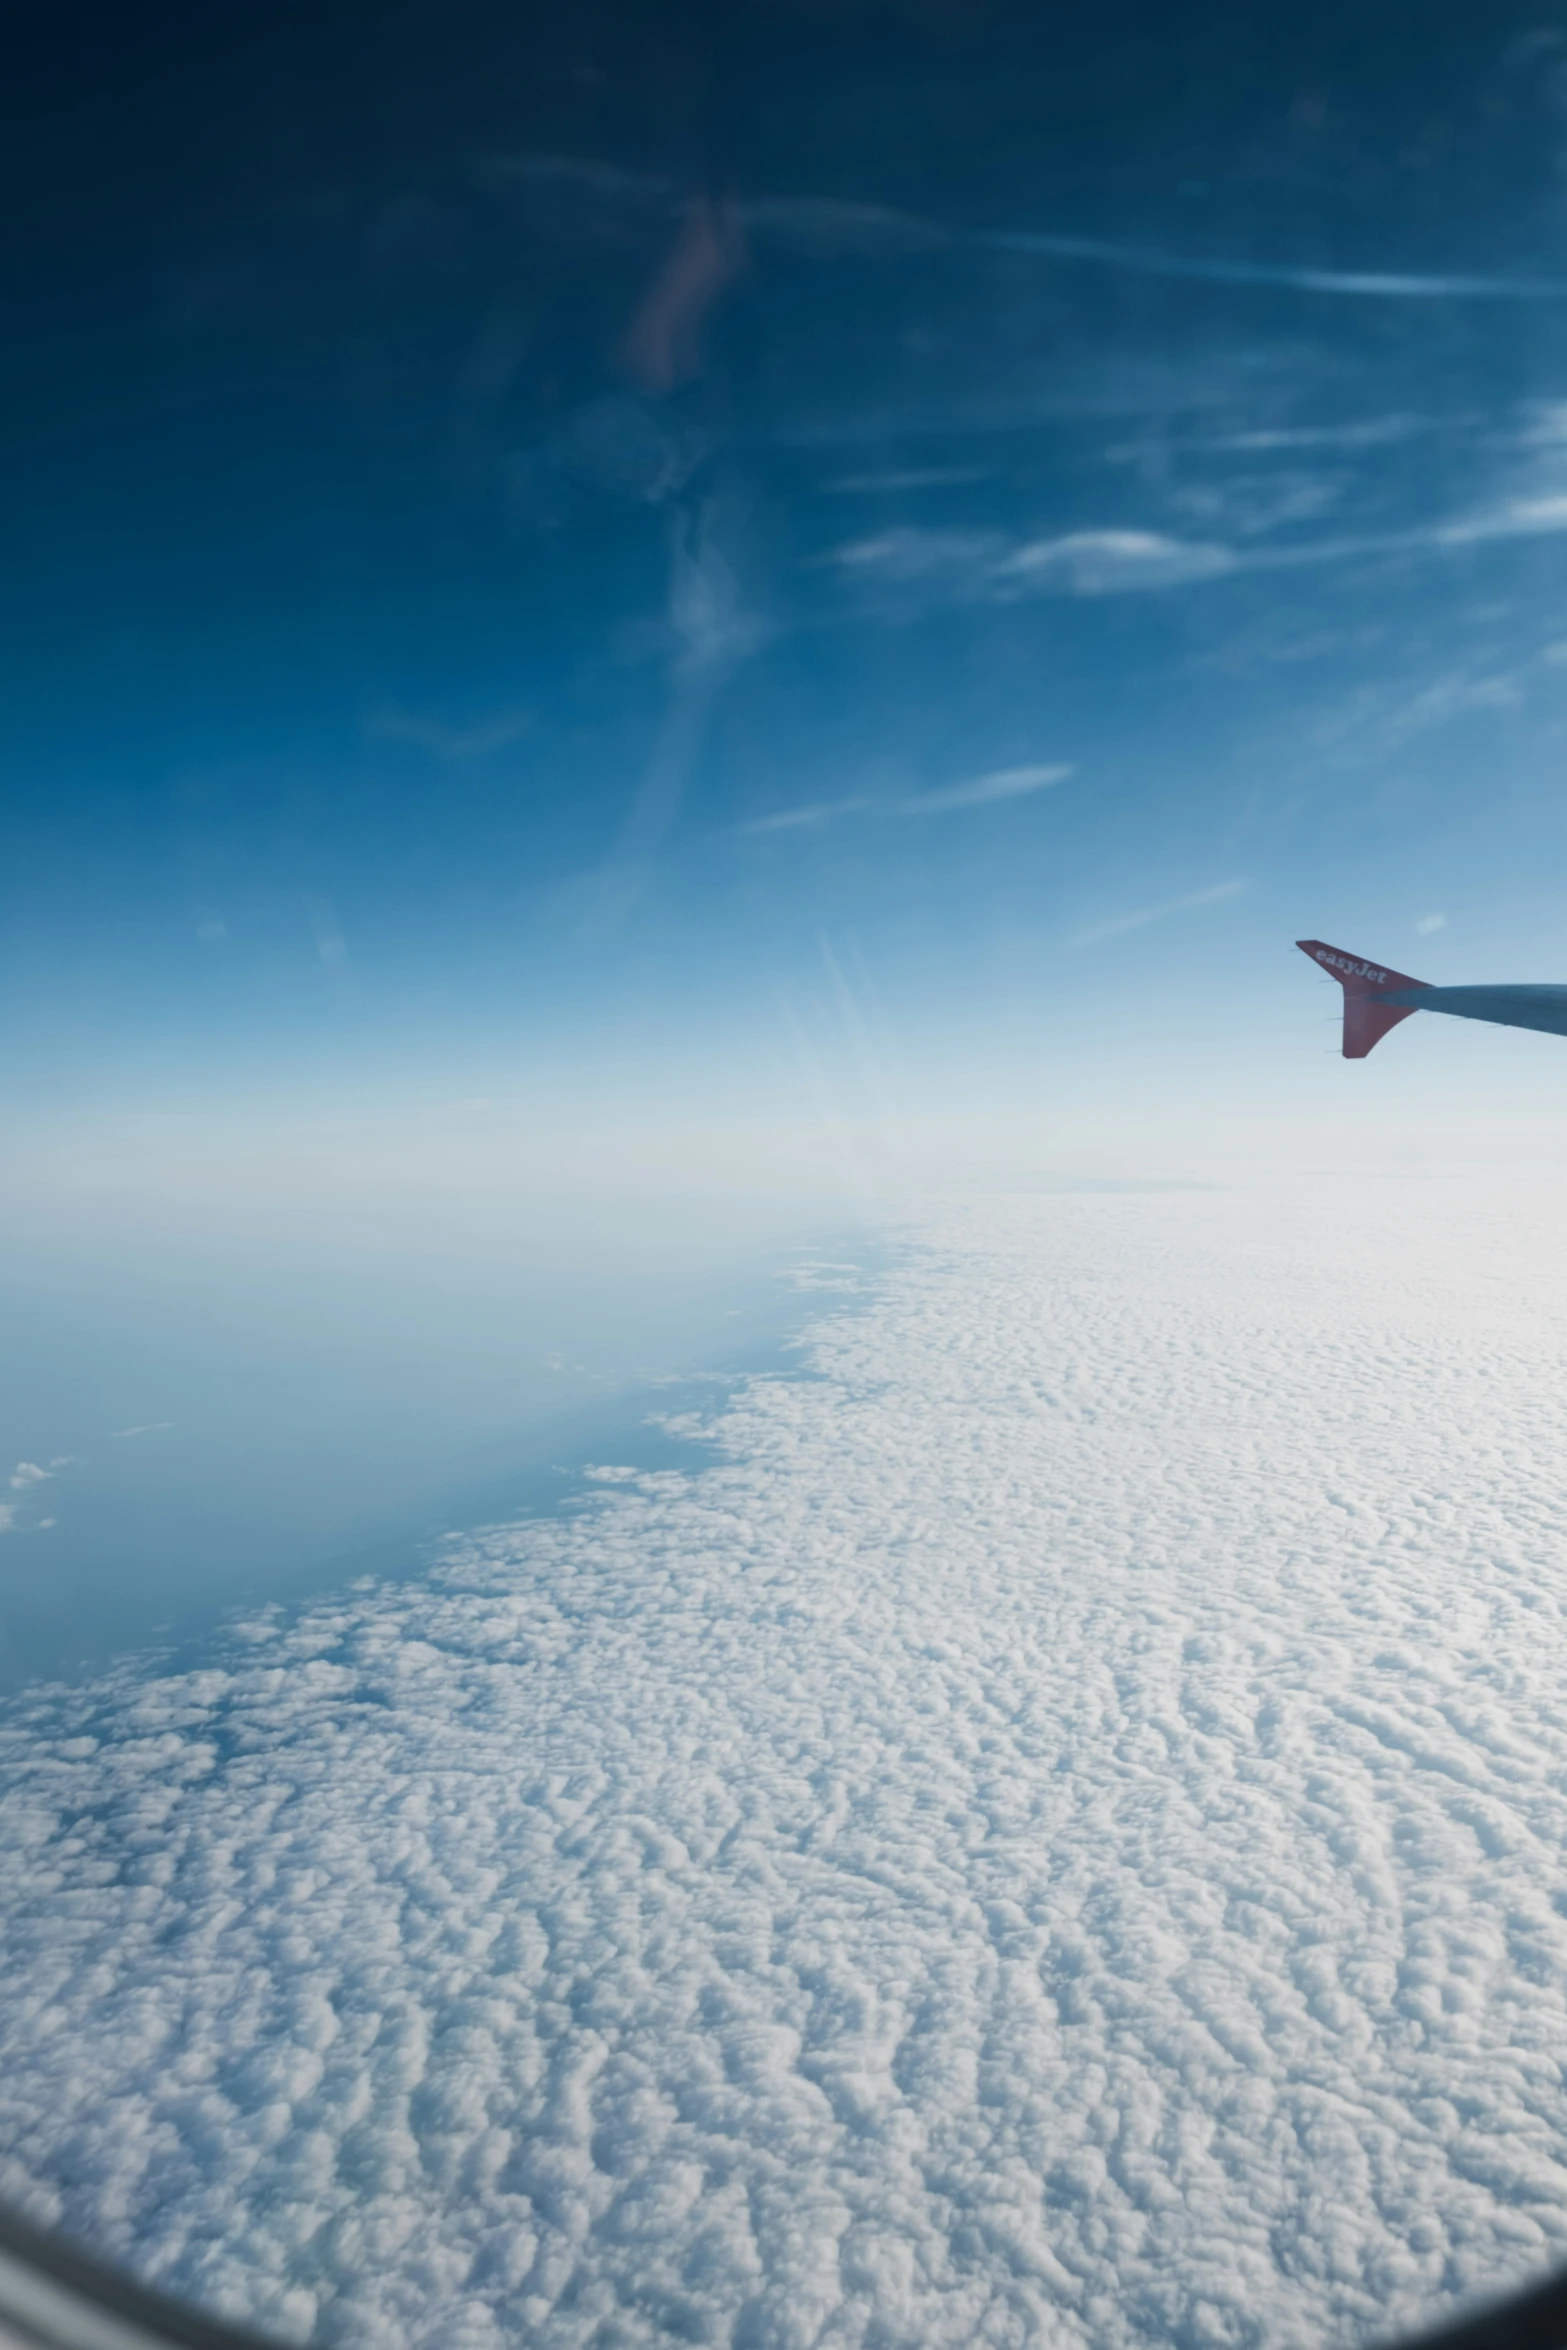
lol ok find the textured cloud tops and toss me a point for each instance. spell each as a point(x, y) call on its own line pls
point(1056, 1836)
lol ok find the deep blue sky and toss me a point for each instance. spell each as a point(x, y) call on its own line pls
point(353, 554)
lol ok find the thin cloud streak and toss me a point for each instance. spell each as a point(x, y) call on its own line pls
point(1384, 284)
point(975, 791)
point(981, 791)
point(910, 556)
point(804, 819)
point(717, 634)
point(921, 477)
point(981, 565)
point(972, 565)
point(824, 224)
point(1110, 562)
point(1215, 896)
point(451, 743)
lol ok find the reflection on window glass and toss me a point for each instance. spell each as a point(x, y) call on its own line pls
point(773, 1569)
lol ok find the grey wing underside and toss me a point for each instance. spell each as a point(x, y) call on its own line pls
point(1509, 1007)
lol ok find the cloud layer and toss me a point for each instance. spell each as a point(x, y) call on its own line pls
point(1057, 1835)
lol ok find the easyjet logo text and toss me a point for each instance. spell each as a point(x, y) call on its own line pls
point(1354, 970)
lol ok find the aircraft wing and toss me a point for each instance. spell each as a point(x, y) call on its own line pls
point(1376, 998)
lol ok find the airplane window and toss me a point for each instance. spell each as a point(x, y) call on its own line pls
point(782, 1556)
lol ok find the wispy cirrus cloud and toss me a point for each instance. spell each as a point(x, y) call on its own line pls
point(980, 791)
point(451, 743)
point(1111, 562)
point(829, 226)
point(834, 226)
point(1186, 904)
point(911, 557)
point(1399, 285)
point(1526, 517)
point(1365, 432)
point(24, 1479)
point(808, 818)
point(974, 791)
point(984, 565)
point(910, 564)
point(911, 477)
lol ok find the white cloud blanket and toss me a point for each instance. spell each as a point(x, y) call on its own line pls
point(1058, 1836)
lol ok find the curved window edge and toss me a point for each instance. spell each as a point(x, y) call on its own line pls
point(55, 2297)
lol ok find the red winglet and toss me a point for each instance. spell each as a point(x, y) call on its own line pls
point(1366, 1021)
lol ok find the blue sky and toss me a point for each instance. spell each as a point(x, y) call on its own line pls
point(430, 663)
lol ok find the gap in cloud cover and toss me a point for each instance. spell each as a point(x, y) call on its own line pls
point(246, 1393)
